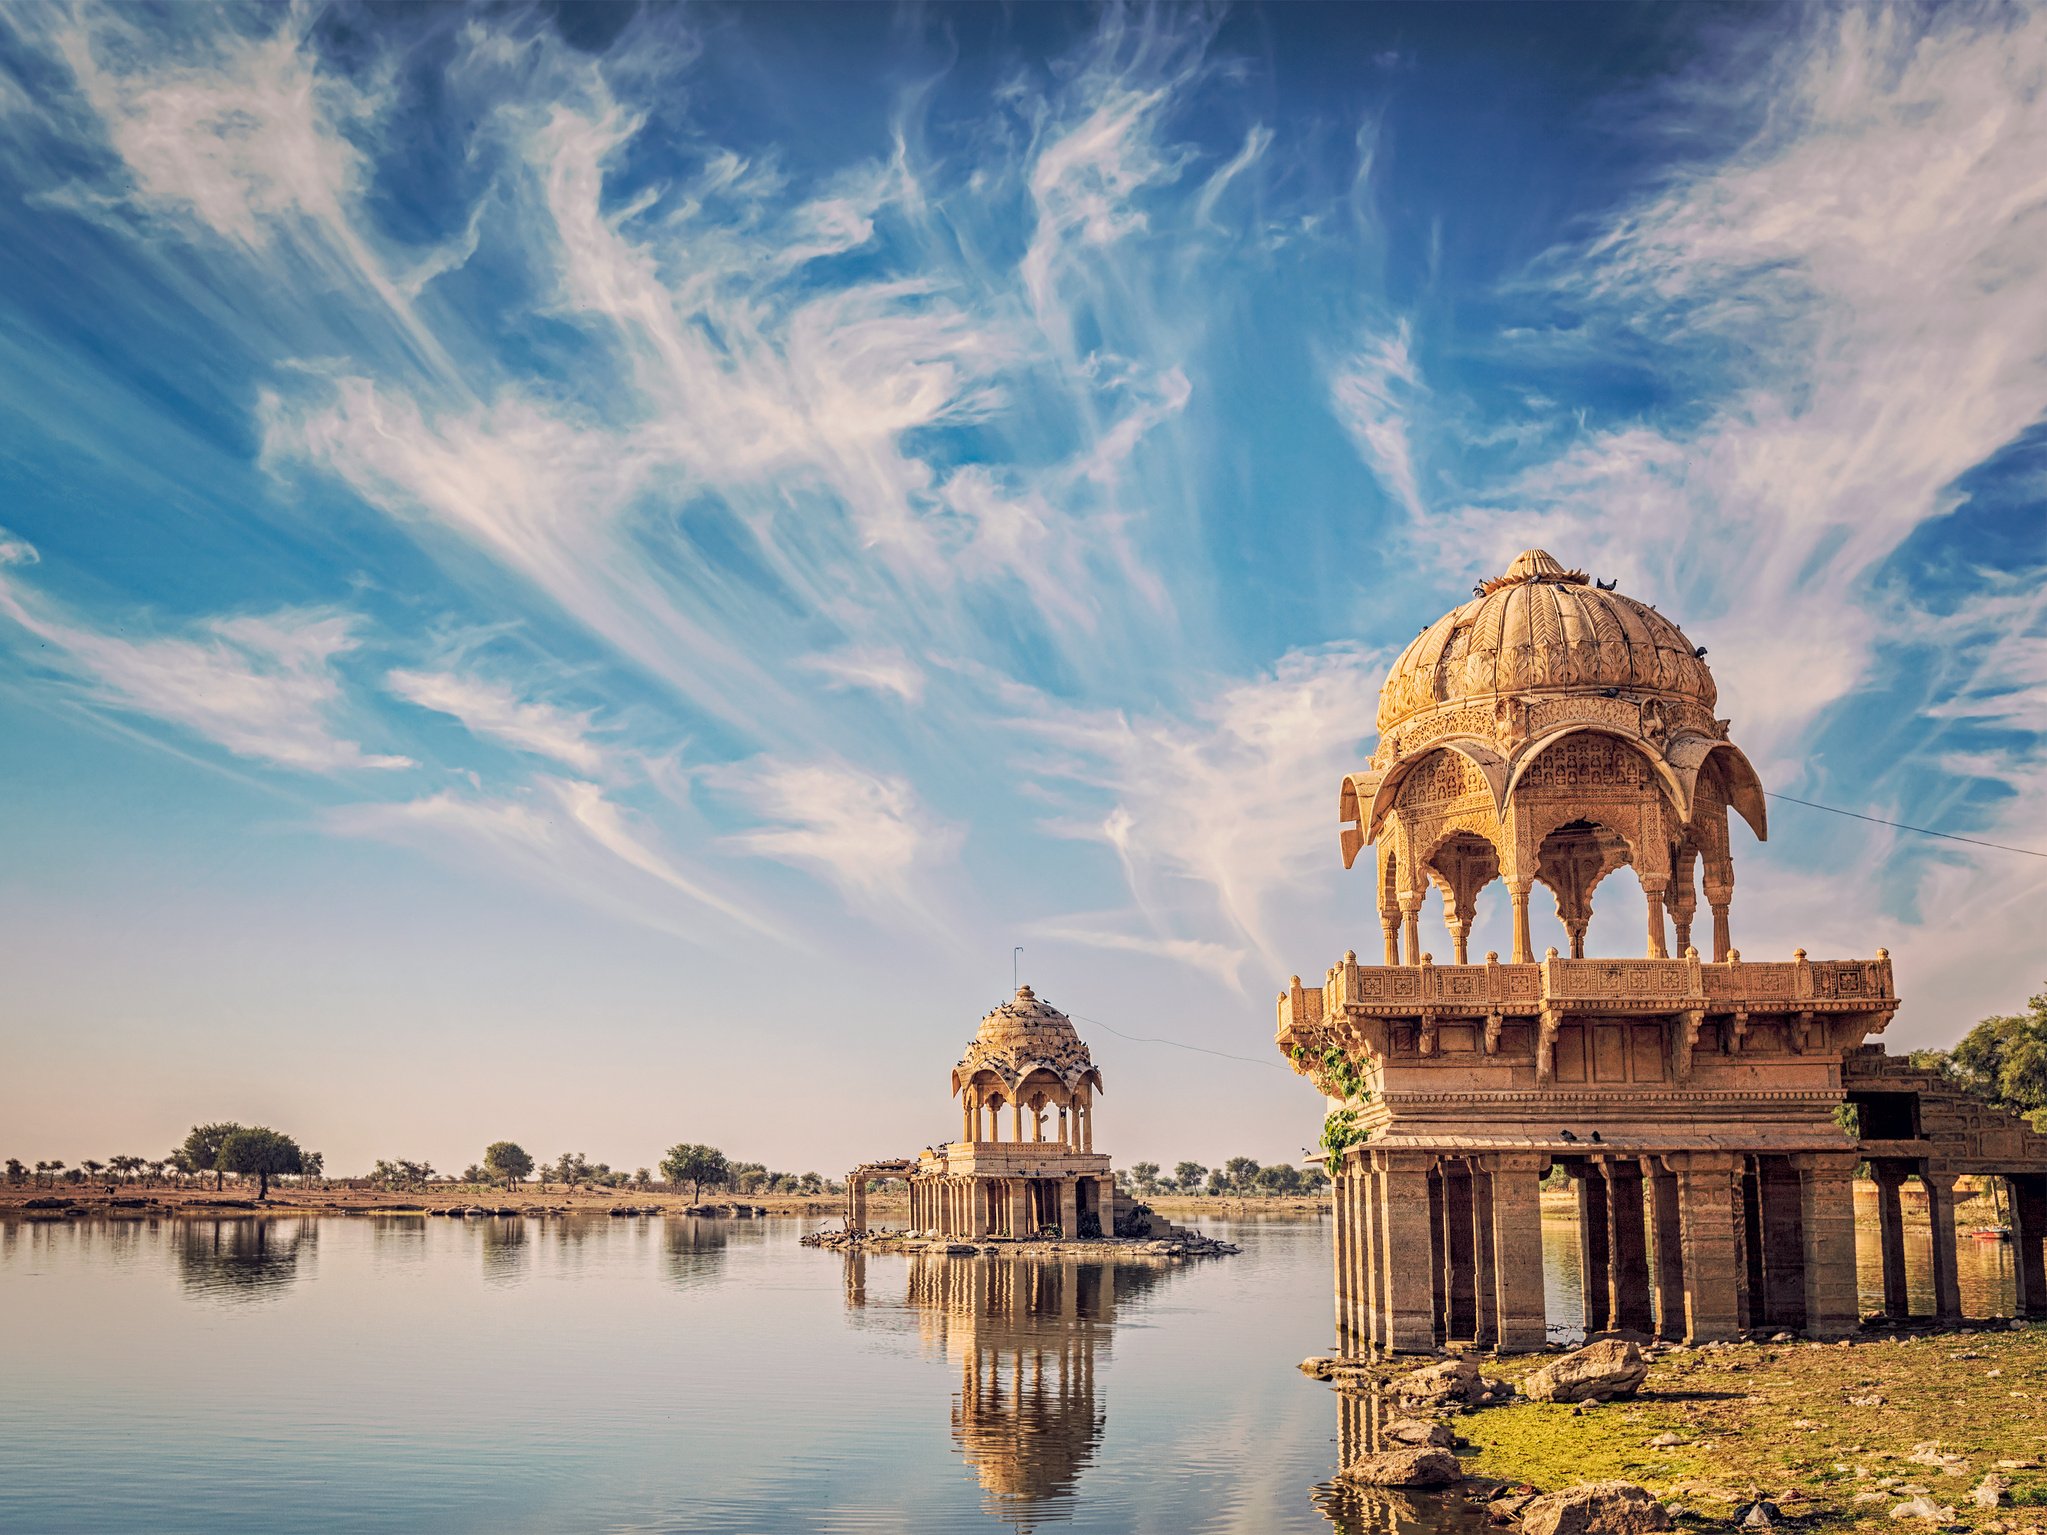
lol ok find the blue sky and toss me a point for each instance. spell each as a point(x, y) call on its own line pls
point(585, 574)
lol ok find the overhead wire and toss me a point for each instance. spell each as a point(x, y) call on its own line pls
point(1924, 831)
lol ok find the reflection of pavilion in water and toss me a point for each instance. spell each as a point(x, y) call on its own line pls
point(1026, 1336)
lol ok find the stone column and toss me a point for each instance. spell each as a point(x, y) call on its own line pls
point(1485, 1322)
point(1460, 1287)
point(1517, 895)
point(1667, 1265)
point(1069, 1208)
point(1707, 1216)
point(1015, 1121)
point(1341, 1192)
point(1940, 1210)
point(1403, 1217)
point(1890, 1230)
point(1627, 1249)
point(1390, 922)
point(1652, 889)
point(2028, 1228)
point(1410, 925)
point(1365, 1256)
point(1827, 1216)
point(980, 1194)
point(966, 1120)
point(1594, 1252)
point(1439, 1289)
point(1782, 1192)
point(1019, 1209)
point(1517, 1251)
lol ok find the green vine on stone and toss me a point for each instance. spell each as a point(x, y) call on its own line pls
point(1340, 1132)
point(1341, 1072)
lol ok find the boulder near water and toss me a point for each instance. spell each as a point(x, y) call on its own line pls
point(1422, 1466)
point(1598, 1372)
point(1595, 1508)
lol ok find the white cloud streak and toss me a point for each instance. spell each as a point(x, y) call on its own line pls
point(497, 712)
point(262, 686)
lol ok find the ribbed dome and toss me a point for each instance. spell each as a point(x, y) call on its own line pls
point(1022, 1035)
point(1540, 627)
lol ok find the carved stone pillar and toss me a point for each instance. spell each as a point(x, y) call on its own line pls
point(1517, 894)
point(1019, 1207)
point(1594, 1249)
point(1629, 1302)
point(1707, 1215)
point(1666, 1260)
point(1342, 1189)
point(1827, 1220)
point(1780, 1188)
point(1069, 1208)
point(1940, 1210)
point(1460, 1278)
point(2029, 1228)
point(1517, 1251)
point(1652, 889)
point(1890, 1227)
point(1411, 925)
point(1485, 1325)
point(1403, 1215)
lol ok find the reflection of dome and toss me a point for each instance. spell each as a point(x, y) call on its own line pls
point(1025, 1035)
point(1542, 628)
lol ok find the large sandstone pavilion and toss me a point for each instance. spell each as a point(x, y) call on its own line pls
point(1553, 732)
point(1044, 1174)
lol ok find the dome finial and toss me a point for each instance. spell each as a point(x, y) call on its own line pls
point(1534, 565)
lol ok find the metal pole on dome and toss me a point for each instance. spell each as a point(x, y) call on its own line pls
point(1013, 953)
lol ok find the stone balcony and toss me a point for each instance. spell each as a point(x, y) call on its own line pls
point(1017, 1159)
point(1606, 1024)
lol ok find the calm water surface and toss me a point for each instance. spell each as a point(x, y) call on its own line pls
point(334, 1374)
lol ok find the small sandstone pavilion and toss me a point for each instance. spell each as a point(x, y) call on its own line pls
point(1552, 731)
point(1026, 1059)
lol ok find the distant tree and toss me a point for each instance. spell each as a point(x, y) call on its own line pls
point(473, 1173)
point(1218, 1182)
point(642, 1178)
point(1123, 1180)
point(1241, 1171)
point(42, 1170)
point(1278, 1179)
point(262, 1153)
point(1187, 1177)
point(1144, 1177)
point(16, 1172)
point(571, 1168)
point(202, 1148)
point(2003, 1060)
point(313, 1164)
point(696, 1166)
point(93, 1168)
point(507, 1161)
point(157, 1167)
point(810, 1183)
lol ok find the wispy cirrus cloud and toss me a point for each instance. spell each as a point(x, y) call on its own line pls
point(262, 686)
point(498, 712)
point(564, 834)
point(1212, 816)
point(864, 832)
point(1373, 392)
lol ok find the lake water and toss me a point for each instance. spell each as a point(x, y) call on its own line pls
point(361, 1373)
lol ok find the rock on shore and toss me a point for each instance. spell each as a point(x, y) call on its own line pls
point(1421, 1466)
point(1595, 1508)
point(1598, 1372)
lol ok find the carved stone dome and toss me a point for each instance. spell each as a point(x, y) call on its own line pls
point(1540, 628)
point(1023, 1035)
